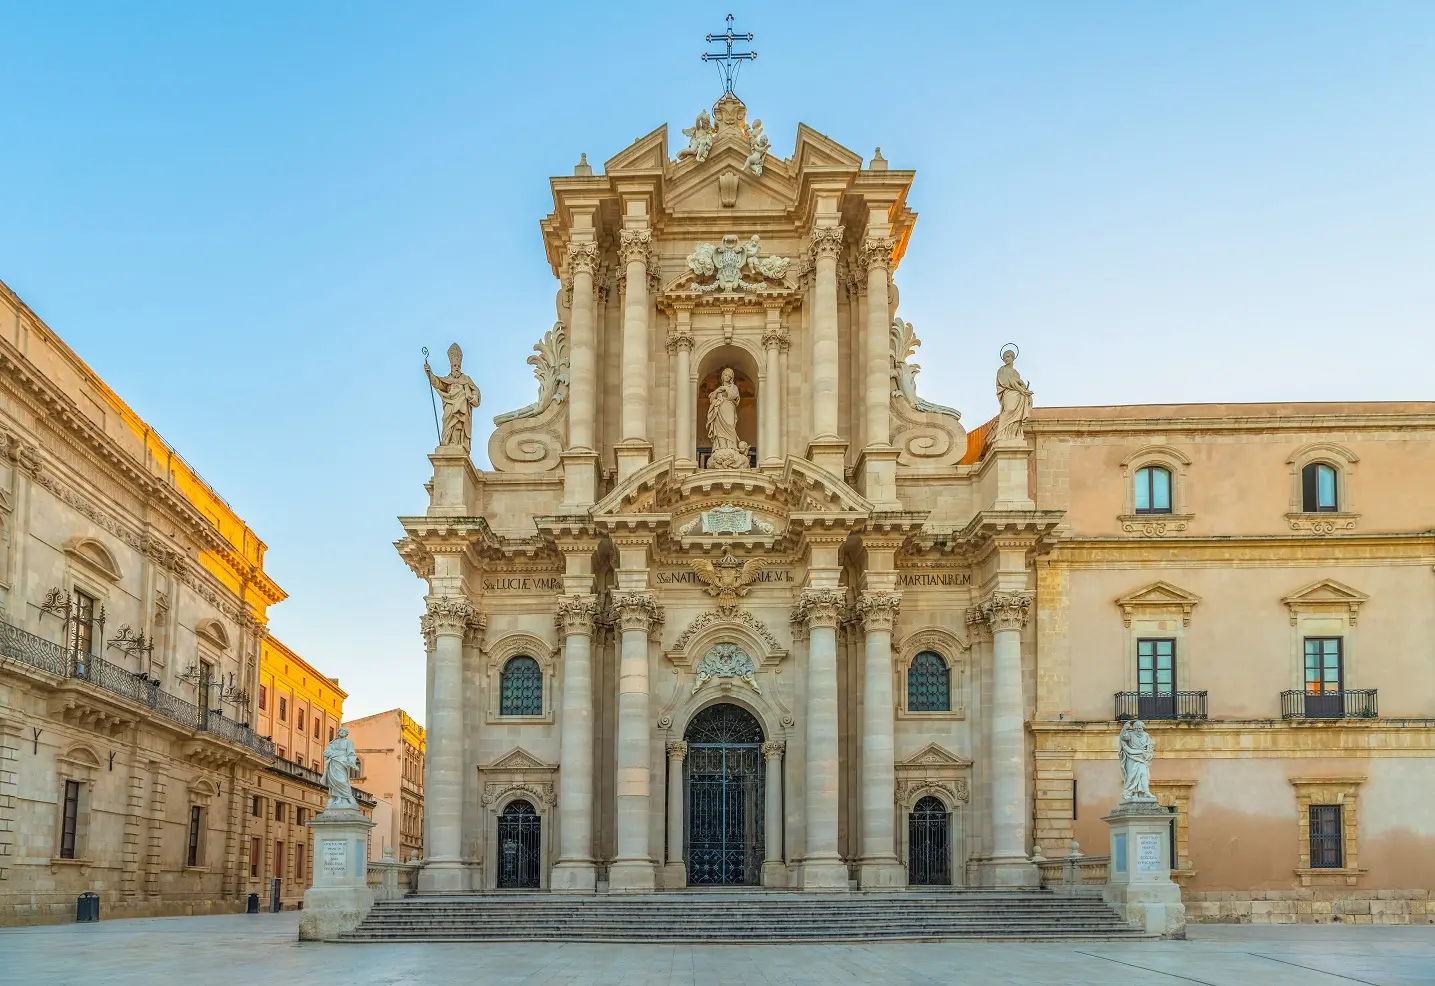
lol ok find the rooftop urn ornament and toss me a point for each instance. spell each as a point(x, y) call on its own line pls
point(460, 396)
point(1014, 395)
point(341, 761)
point(1135, 749)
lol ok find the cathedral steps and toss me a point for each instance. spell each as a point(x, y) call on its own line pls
point(742, 916)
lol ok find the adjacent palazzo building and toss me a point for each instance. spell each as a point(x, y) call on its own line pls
point(736, 606)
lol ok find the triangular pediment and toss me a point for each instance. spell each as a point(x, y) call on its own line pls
point(648, 153)
point(1326, 591)
point(816, 150)
point(933, 755)
point(519, 759)
point(1159, 594)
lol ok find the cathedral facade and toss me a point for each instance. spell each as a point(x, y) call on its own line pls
point(735, 605)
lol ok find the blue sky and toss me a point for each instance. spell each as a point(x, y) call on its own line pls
point(250, 217)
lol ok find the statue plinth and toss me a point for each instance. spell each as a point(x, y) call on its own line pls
point(340, 896)
point(1138, 879)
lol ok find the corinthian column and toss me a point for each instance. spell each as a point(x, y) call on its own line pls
point(769, 398)
point(822, 865)
point(634, 246)
point(877, 251)
point(1003, 615)
point(675, 872)
point(447, 621)
point(774, 870)
point(632, 868)
point(582, 352)
point(880, 867)
point(680, 345)
point(826, 242)
point(574, 869)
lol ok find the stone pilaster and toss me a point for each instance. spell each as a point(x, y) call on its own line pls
point(635, 449)
point(818, 610)
point(448, 620)
point(774, 869)
point(155, 850)
point(879, 864)
point(769, 413)
point(675, 870)
point(574, 869)
point(680, 346)
point(9, 793)
point(1003, 614)
point(879, 458)
point(632, 869)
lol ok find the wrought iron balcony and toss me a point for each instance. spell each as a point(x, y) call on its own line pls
point(1357, 703)
point(25, 648)
point(1172, 705)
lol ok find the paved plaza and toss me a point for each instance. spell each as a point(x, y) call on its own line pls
point(245, 949)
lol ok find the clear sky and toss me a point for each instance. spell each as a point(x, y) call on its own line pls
point(249, 218)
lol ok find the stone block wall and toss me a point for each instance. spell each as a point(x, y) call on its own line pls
point(1310, 906)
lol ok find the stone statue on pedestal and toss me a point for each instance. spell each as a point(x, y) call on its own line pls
point(341, 760)
point(728, 451)
point(1136, 750)
point(460, 396)
point(1015, 395)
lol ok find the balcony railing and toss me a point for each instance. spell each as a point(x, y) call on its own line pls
point(46, 655)
point(1173, 705)
point(1357, 703)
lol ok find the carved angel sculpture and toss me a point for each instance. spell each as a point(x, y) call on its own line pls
point(700, 138)
point(773, 268)
point(758, 144)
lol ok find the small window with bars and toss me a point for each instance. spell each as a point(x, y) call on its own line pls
point(929, 684)
point(521, 688)
point(1327, 844)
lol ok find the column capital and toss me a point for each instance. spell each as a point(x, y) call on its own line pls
point(773, 749)
point(1001, 611)
point(878, 609)
point(677, 750)
point(582, 258)
point(633, 245)
point(819, 607)
point(451, 615)
point(774, 337)
point(679, 339)
point(637, 611)
point(576, 614)
point(826, 242)
point(877, 252)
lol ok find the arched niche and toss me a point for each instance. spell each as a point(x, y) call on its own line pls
point(745, 375)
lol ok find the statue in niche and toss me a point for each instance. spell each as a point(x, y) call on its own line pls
point(728, 451)
point(1015, 395)
point(341, 760)
point(460, 396)
point(1136, 751)
point(700, 138)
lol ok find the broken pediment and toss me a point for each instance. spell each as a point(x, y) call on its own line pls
point(648, 153)
point(1158, 595)
point(1327, 595)
point(817, 150)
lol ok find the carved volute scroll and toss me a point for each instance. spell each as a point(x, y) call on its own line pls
point(923, 432)
point(531, 439)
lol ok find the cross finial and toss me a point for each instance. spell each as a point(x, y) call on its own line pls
point(729, 62)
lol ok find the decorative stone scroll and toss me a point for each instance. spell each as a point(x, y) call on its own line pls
point(727, 518)
point(924, 433)
point(735, 267)
point(726, 660)
point(531, 439)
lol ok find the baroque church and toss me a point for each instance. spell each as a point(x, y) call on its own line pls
point(735, 605)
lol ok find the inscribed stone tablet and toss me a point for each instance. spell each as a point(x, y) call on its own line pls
point(336, 858)
point(1148, 854)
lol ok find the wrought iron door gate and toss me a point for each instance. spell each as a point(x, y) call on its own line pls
point(929, 851)
point(520, 846)
point(724, 769)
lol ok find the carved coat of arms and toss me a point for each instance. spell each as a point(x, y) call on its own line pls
point(735, 266)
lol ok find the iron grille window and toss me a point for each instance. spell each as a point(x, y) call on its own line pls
point(70, 823)
point(1322, 665)
point(1153, 490)
point(256, 849)
point(521, 688)
point(279, 811)
point(196, 815)
point(1326, 848)
point(929, 684)
point(84, 623)
point(1318, 488)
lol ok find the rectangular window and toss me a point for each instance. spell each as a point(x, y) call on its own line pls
point(331, 734)
point(263, 697)
point(84, 622)
point(1326, 844)
point(70, 822)
point(299, 861)
point(279, 860)
point(196, 815)
point(256, 849)
point(279, 811)
point(300, 720)
point(1322, 665)
point(283, 709)
point(316, 727)
point(257, 808)
point(299, 816)
point(1156, 678)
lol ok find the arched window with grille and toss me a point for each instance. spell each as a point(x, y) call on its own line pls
point(929, 684)
point(1152, 494)
point(1319, 493)
point(520, 688)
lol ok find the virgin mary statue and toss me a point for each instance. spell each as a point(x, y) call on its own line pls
point(728, 452)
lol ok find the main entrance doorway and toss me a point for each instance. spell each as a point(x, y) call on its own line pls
point(724, 787)
point(520, 846)
point(929, 851)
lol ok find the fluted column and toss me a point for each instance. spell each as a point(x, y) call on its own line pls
point(774, 870)
point(675, 873)
point(574, 869)
point(447, 621)
point(826, 242)
point(768, 398)
point(1004, 614)
point(822, 865)
point(879, 866)
point(680, 345)
point(632, 868)
point(637, 351)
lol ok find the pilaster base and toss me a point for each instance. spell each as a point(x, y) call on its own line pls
point(824, 873)
point(776, 874)
point(674, 876)
point(829, 454)
point(881, 874)
point(877, 476)
point(580, 479)
point(574, 876)
point(632, 455)
point(1007, 871)
point(632, 876)
point(444, 876)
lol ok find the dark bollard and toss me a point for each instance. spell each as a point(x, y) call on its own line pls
point(87, 907)
point(253, 907)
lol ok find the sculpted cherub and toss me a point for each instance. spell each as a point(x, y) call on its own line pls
point(700, 138)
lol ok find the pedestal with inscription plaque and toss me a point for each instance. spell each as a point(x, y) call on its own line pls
point(340, 896)
point(1138, 880)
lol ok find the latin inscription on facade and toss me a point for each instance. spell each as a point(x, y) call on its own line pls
point(918, 579)
point(1148, 854)
point(336, 858)
point(523, 583)
point(768, 576)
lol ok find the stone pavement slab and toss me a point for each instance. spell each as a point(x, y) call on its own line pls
point(242, 950)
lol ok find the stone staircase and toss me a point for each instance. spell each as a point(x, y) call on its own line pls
point(748, 916)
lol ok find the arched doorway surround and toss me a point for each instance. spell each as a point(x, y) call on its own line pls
point(724, 797)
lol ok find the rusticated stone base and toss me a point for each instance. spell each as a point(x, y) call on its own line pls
point(1310, 906)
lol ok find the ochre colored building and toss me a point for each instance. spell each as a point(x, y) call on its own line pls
point(391, 768)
